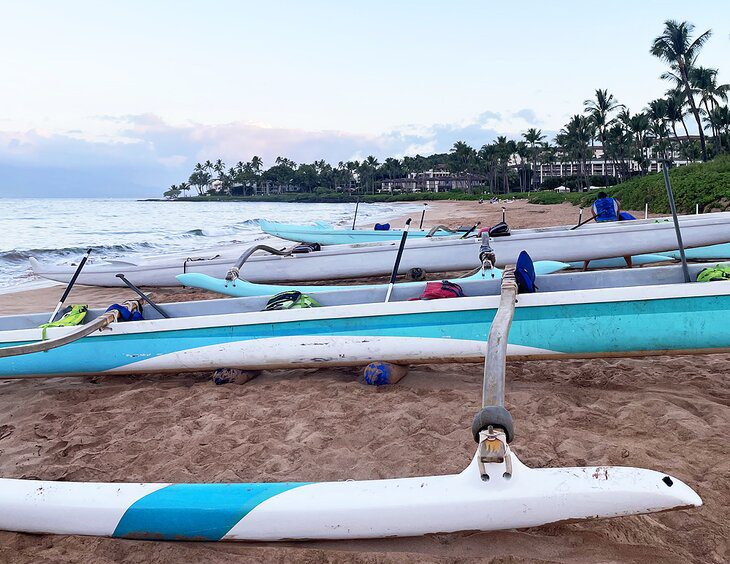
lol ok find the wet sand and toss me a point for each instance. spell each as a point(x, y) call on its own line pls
point(667, 413)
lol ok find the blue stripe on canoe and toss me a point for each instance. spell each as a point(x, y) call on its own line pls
point(194, 511)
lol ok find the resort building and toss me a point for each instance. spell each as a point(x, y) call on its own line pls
point(433, 180)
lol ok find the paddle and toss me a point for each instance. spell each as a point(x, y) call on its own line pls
point(394, 274)
point(70, 285)
point(142, 295)
point(673, 208)
point(423, 214)
point(354, 219)
point(582, 223)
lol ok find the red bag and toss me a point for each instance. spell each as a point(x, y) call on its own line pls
point(440, 290)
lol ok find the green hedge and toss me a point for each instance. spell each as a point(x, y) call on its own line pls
point(706, 184)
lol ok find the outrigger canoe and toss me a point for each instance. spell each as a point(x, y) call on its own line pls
point(573, 315)
point(496, 491)
point(325, 234)
point(441, 254)
point(241, 288)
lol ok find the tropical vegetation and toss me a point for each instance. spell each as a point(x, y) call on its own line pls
point(605, 130)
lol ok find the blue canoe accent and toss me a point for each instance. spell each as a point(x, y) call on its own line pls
point(195, 511)
point(711, 252)
point(640, 325)
point(620, 262)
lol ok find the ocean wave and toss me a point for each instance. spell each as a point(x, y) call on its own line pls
point(218, 231)
point(18, 256)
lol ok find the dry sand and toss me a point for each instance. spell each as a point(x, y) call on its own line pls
point(666, 413)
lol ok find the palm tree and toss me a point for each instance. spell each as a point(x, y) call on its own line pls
point(639, 125)
point(676, 47)
point(575, 142)
point(704, 81)
point(462, 158)
point(719, 118)
point(219, 167)
point(599, 111)
point(533, 137)
point(677, 105)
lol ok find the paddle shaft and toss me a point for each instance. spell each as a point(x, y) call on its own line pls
point(423, 214)
point(354, 219)
point(398, 256)
point(70, 285)
point(673, 208)
point(581, 223)
point(142, 295)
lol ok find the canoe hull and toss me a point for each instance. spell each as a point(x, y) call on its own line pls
point(241, 288)
point(682, 318)
point(338, 510)
point(442, 254)
point(327, 235)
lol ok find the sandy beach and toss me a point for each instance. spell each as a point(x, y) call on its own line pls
point(666, 413)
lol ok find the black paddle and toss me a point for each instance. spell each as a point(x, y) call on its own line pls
point(354, 219)
point(673, 209)
point(423, 214)
point(71, 283)
point(142, 295)
point(582, 223)
point(394, 274)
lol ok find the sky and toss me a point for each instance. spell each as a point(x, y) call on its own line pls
point(122, 98)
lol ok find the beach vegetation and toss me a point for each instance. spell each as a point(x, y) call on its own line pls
point(689, 123)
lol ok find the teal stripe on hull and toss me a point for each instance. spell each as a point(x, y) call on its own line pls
point(194, 512)
point(661, 324)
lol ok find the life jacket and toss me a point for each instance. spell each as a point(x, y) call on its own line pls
point(714, 273)
point(606, 209)
point(306, 248)
point(440, 290)
point(525, 274)
point(382, 227)
point(291, 299)
point(74, 316)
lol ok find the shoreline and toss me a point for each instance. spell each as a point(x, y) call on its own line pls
point(665, 413)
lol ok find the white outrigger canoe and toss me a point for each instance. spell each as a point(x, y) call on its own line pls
point(496, 491)
point(442, 254)
point(574, 315)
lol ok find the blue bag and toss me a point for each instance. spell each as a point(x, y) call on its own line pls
point(525, 274)
point(382, 227)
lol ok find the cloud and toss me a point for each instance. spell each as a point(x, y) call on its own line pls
point(141, 155)
point(528, 115)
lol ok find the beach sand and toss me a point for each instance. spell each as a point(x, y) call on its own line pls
point(667, 413)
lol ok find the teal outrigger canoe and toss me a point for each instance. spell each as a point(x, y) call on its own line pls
point(325, 234)
point(630, 312)
point(241, 288)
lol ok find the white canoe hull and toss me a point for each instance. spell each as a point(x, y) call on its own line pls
point(443, 254)
point(339, 510)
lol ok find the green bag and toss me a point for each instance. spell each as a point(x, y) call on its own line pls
point(75, 316)
point(714, 273)
point(291, 299)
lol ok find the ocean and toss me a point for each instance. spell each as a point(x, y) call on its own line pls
point(60, 230)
